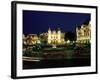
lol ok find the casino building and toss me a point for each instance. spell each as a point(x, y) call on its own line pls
point(55, 36)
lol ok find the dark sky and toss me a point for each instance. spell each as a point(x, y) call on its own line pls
point(39, 21)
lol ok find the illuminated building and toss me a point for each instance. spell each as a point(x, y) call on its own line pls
point(51, 37)
point(83, 33)
point(30, 39)
point(43, 36)
point(55, 37)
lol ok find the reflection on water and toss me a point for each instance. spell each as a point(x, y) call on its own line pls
point(56, 63)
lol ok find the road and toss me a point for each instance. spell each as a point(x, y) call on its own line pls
point(54, 63)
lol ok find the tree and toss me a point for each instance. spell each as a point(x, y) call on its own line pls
point(69, 36)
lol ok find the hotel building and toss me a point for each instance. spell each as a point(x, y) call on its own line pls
point(83, 33)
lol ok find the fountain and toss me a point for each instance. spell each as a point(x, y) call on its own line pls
point(54, 46)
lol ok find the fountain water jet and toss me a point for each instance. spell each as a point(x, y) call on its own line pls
point(54, 46)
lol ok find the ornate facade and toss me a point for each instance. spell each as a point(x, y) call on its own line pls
point(83, 33)
point(30, 39)
point(55, 37)
point(50, 37)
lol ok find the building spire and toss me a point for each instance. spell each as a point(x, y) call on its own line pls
point(49, 29)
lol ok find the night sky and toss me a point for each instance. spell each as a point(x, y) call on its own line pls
point(35, 22)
